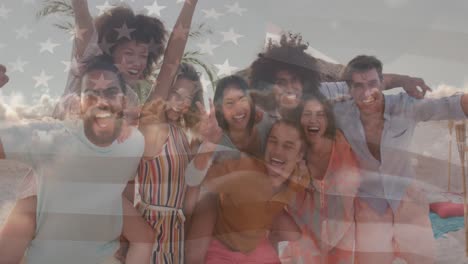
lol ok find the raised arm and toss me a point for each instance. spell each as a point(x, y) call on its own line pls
point(414, 87)
point(174, 52)
point(211, 134)
point(84, 27)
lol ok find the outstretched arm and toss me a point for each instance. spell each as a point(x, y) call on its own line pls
point(464, 103)
point(84, 27)
point(174, 52)
point(18, 230)
point(3, 77)
point(414, 87)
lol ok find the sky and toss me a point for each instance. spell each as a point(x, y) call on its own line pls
point(424, 38)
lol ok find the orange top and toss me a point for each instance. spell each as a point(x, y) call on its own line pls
point(247, 203)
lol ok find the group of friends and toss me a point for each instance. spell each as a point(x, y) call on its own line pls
point(301, 161)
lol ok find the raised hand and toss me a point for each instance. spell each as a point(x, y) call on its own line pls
point(415, 87)
point(3, 77)
point(208, 127)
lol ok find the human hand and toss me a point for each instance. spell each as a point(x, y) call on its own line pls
point(3, 77)
point(415, 87)
point(208, 126)
point(125, 132)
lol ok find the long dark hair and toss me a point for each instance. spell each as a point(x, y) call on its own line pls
point(188, 71)
point(235, 82)
point(290, 55)
point(330, 132)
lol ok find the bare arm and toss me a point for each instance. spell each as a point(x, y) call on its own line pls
point(415, 87)
point(284, 229)
point(2, 152)
point(18, 230)
point(174, 52)
point(139, 234)
point(464, 103)
point(200, 232)
point(3, 77)
point(83, 25)
point(211, 134)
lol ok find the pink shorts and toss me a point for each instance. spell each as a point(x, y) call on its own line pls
point(219, 254)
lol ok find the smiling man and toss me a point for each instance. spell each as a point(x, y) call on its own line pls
point(252, 196)
point(391, 214)
point(81, 174)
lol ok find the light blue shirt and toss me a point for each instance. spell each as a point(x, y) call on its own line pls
point(384, 182)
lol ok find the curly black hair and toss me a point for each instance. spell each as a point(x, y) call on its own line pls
point(288, 55)
point(146, 29)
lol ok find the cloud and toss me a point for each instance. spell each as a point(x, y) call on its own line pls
point(444, 90)
point(14, 108)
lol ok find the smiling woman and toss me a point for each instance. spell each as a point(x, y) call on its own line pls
point(134, 42)
point(334, 180)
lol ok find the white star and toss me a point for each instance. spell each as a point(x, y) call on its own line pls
point(225, 68)
point(48, 46)
point(4, 12)
point(23, 32)
point(207, 47)
point(101, 83)
point(104, 8)
point(42, 80)
point(18, 65)
point(154, 9)
point(212, 13)
point(124, 31)
point(67, 65)
point(231, 36)
point(236, 9)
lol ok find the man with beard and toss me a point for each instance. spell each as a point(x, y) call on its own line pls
point(81, 173)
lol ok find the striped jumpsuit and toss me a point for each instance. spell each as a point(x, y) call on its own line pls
point(161, 187)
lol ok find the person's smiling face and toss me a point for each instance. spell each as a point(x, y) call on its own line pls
point(102, 105)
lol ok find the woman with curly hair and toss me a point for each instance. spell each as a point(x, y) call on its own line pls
point(134, 42)
point(285, 69)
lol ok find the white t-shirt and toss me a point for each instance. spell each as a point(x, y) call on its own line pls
point(79, 204)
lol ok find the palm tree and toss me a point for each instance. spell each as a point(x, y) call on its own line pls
point(63, 8)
